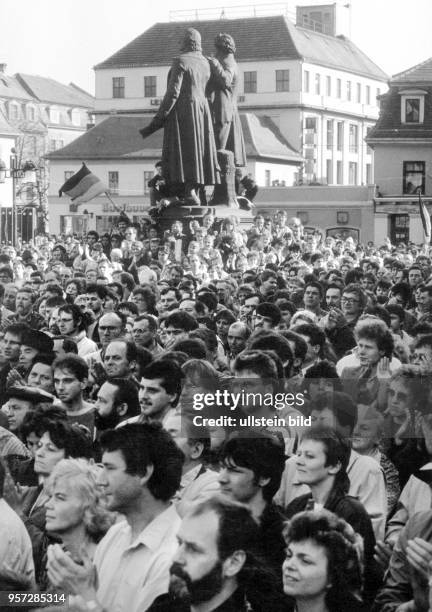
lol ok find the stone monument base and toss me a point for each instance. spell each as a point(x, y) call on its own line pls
point(186, 213)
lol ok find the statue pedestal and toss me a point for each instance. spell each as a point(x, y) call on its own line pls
point(186, 214)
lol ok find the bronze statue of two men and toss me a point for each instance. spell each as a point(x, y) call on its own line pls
point(200, 117)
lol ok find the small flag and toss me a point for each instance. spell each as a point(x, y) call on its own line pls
point(83, 186)
point(425, 218)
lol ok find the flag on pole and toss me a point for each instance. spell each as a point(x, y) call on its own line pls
point(425, 219)
point(83, 186)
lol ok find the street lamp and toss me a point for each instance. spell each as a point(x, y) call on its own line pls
point(26, 172)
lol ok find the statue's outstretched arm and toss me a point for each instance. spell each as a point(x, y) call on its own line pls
point(175, 80)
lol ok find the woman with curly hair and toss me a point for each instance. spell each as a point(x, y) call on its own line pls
point(323, 567)
point(75, 512)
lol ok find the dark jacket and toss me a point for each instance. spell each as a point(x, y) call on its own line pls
point(402, 582)
point(236, 603)
point(271, 540)
point(353, 512)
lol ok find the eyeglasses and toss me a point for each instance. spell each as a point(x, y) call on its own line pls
point(350, 300)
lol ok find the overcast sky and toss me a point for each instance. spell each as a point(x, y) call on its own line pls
point(64, 39)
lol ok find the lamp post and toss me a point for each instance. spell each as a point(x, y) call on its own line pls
point(27, 172)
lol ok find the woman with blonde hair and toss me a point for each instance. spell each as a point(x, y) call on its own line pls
point(75, 512)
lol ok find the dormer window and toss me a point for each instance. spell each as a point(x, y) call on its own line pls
point(412, 106)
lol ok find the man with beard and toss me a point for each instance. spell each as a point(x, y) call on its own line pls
point(215, 562)
point(117, 401)
point(24, 312)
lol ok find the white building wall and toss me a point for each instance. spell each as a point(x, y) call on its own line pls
point(6, 193)
point(381, 228)
point(389, 165)
point(131, 173)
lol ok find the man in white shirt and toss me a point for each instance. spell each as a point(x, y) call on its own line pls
point(15, 545)
point(142, 471)
point(198, 481)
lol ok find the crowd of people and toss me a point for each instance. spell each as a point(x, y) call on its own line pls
point(114, 497)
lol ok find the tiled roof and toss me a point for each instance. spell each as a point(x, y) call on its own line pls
point(118, 137)
point(257, 39)
point(263, 139)
point(389, 124)
point(420, 73)
point(11, 88)
point(333, 51)
point(49, 90)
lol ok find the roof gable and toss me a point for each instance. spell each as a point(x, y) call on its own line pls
point(49, 90)
point(389, 124)
point(256, 38)
point(420, 73)
point(118, 137)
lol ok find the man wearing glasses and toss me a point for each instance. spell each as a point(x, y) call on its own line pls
point(353, 303)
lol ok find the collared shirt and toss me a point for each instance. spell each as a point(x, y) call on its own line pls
point(132, 574)
point(197, 485)
point(15, 544)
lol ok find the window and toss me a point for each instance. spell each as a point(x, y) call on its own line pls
point(369, 174)
point(368, 148)
point(412, 106)
point(340, 135)
point(412, 110)
point(359, 93)
point(328, 86)
point(76, 117)
point(318, 84)
point(68, 174)
point(14, 112)
point(329, 134)
point(339, 88)
point(31, 113)
point(148, 175)
point(267, 178)
point(282, 80)
point(55, 145)
point(368, 98)
point(378, 92)
point(149, 87)
point(352, 171)
point(113, 182)
point(329, 172)
point(353, 138)
point(306, 81)
point(348, 91)
point(118, 84)
point(54, 115)
point(250, 81)
point(339, 172)
point(311, 123)
point(414, 177)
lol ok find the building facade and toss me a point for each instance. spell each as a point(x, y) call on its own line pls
point(402, 142)
point(44, 116)
point(115, 152)
point(318, 88)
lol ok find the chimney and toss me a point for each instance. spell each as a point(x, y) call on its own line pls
point(3, 67)
point(319, 18)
